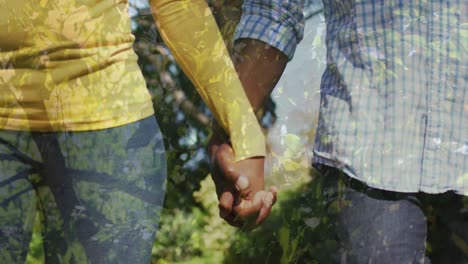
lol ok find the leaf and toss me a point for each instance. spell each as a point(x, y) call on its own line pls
point(291, 165)
point(312, 222)
point(292, 141)
point(460, 243)
point(294, 245)
point(283, 236)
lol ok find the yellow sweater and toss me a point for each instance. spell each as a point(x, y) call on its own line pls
point(69, 65)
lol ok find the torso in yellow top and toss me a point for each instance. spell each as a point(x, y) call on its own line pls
point(68, 65)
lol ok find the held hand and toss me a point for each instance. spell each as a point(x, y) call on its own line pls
point(243, 202)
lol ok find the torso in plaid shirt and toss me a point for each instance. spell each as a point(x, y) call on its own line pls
point(394, 105)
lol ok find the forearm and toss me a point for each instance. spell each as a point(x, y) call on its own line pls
point(190, 31)
point(259, 67)
point(265, 40)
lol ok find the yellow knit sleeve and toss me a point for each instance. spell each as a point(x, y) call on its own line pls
point(190, 31)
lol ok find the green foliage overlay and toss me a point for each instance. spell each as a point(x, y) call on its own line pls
point(190, 231)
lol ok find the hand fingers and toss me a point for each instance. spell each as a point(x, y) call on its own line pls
point(226, 203)
point(260, 206)
point(234, 220)
point(218, 166)
point(268, 201)
point(247, 208)
point(274, 191)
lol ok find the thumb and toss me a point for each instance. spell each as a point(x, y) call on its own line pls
point(226, 162)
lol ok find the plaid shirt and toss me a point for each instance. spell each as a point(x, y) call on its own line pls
point(279, 23)
point(394, 99)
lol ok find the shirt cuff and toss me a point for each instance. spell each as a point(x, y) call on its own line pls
point(273, 33)
point(278, 23)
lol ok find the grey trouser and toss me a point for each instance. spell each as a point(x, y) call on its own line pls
point(377, 226)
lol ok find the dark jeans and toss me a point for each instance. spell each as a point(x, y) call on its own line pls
point(377, 226)
point(98, 193)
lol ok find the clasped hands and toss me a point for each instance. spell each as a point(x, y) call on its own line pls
point(243, 201)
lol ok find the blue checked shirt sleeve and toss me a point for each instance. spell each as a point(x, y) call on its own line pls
point(279, 23)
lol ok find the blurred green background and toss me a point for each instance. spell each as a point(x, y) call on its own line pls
point(190, 229)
